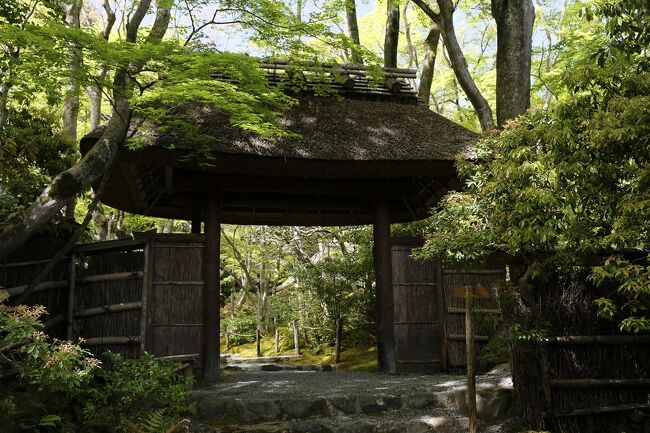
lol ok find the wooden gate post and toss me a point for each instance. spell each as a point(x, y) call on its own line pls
point(384, 285)
point(277, 341)
point(258, 343)
point(210, 294)
point(196, 219)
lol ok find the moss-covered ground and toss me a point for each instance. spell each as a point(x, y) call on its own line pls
point(357, 358)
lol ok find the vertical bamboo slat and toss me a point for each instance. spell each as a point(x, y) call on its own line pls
point(71, 297)
point(442, 302)
point(146, 284)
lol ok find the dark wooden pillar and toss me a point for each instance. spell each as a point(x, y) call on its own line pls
point(196, 219)
point(383, 277)
point(210, 294)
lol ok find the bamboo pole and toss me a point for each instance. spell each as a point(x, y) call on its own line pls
point(598, 410)
point(469, 344)
point(258, 345)
point(296, 341)
point(116, 276)
point(46, 285)
point(95, 341)
point(597, 383)
point(600, 339)
point(456, 310)
point(113, 308)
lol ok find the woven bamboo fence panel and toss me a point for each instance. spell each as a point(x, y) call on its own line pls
point(418, 311)
point(15, 277)
point(126, 296)
point(485, 283)
point(174, 306)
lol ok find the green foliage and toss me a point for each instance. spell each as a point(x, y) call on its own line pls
point(242, 327)
point(44, 368)
point(272, 276)
point(155, 421)
point(53, 385)
point(572, 182)
point(136, 390)
point(32, 152)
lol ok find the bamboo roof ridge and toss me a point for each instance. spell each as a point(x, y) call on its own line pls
point(349, 80)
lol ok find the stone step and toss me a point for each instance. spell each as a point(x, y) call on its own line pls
point(258, 366)
point(430, 421)
point(492, 404)
point(232, 359)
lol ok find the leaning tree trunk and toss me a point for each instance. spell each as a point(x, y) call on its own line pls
point(429, 63)
point(94, 164)
point(71, 101)
point(514, 45)
point(4, 111)
point(413, 55)
point(392, 34)
point(95, 91)
point(69, 183)
point(353, 28)
point(459, 65)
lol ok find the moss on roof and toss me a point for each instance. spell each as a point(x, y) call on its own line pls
point(331, 128)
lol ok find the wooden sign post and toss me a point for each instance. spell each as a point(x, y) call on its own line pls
point(469, 344)
point(469, 293)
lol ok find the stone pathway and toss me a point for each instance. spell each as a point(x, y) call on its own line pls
point(300, 401)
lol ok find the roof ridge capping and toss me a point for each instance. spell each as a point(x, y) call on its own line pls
point(349, 80)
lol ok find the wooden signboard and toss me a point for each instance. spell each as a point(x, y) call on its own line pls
point(459, 292)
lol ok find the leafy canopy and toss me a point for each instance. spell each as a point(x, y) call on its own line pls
point(562, 186)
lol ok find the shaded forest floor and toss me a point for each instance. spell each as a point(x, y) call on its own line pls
point(357, 358)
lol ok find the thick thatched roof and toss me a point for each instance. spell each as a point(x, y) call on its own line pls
point(348, 152)
point(338, 129)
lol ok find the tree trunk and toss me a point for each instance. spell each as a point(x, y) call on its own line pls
point(413, 54)
point(459, 65)
point(71, 101)
point(95, 92)
point(68, 183)
point(95, 163)
point(4, 112)
point(353, 28)
point(167, 226)
point(95, 105)
point(392, 34)
point(429, 63)
point(514, 45)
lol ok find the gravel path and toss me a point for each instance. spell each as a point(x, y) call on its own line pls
point(304, 384)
